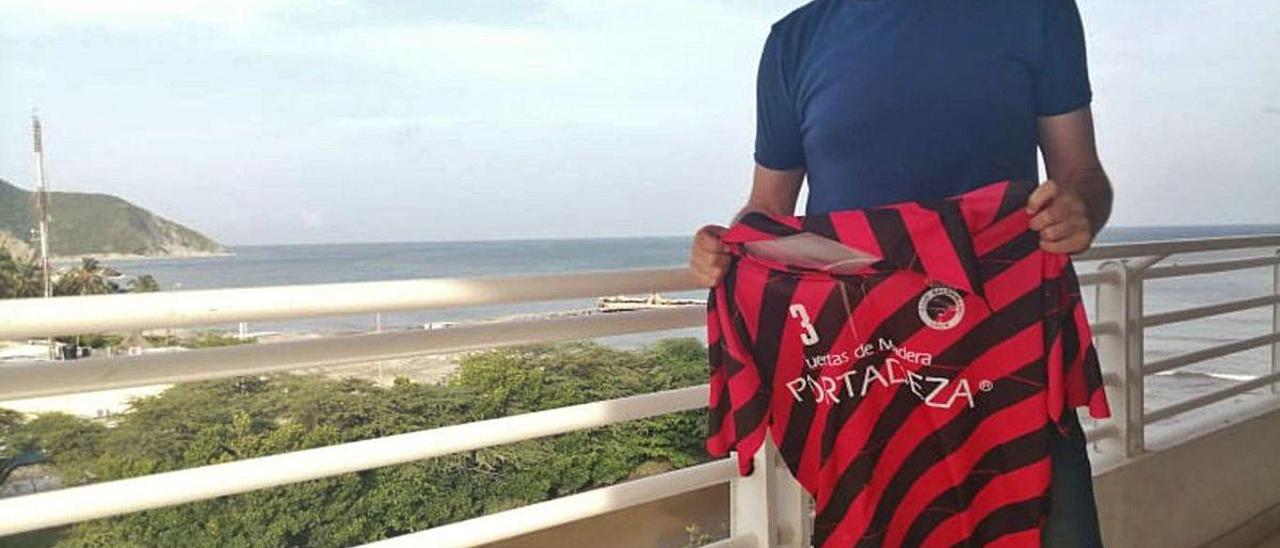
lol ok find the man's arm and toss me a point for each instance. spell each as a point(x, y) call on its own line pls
point(773, 192)
point(1072, 206)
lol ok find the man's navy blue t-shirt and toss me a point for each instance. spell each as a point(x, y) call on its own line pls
point(883, 101)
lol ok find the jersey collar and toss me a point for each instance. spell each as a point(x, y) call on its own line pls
point(933, 238)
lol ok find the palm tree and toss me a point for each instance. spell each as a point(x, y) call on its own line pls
point(90, 278)
point(19, 276)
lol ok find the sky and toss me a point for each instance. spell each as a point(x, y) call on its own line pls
point(284, 121)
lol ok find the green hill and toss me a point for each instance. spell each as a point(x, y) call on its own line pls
point(83, 224)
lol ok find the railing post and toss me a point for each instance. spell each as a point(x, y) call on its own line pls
point(792, 507)
point(768, 504)
point(1275, 320)
point(1120, 302)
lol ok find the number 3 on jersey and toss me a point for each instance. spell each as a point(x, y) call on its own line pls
point(809, 337)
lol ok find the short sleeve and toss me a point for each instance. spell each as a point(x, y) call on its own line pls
point(778, 142)
point(738, 402)
point(1062, 78)
point(1074, 373)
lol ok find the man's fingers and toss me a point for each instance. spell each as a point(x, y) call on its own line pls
point(1055, 247)
point(714, 230)
point(714, 274)
point(1041, 197)
point(1066, 237)
point(1064, 207)
point(1066, 229)
point(703, 261)
point(708, 256)
point(708, 239)
point(1073, 244)
point(1045, 219)
point(1054, 233)
point(709, 275)
point(711, 245)
point(710, 260)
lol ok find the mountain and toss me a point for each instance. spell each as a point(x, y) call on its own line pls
point(84, 224)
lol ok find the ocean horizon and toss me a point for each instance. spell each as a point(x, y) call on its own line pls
point(266, 265)
point(1110, 234)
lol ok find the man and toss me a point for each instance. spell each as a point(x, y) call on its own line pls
point(883, 101)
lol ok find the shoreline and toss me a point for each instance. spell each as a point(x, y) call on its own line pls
point(103, 257)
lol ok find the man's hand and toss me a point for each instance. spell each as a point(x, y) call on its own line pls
point(772, 192)
point(708, 257)
point(1074, 204)
point(1061, 216)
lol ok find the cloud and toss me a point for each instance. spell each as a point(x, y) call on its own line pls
point(455, 50)
point(135, 15)
point(523, 42)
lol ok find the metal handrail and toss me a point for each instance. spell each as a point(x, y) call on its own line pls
point(1210, 398)
point(35, 379)
point(1123, 305)
point(136, 311)
point(535, 517)
point(1208, 267)
point(1178, 246)
point(1217, 309)
point(63, 315)
point(1204, 354)
point(84, 314)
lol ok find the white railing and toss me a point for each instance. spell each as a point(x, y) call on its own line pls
point(767, 509)
point(223, 306)
point(1121, 303)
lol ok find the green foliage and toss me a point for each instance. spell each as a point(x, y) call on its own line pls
point(10, 423)
point(68, 442)
point(93, 340)
point(225, 420)
point(19, 276)
point(213, 339)
point(88, 278)
point(9, 420)
point(203, 339)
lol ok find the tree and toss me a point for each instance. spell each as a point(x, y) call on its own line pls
point(10, 423)
point(19, 276)
point(231, 419)
point(89, 278)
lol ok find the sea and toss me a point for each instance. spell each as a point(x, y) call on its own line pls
point(253, 266)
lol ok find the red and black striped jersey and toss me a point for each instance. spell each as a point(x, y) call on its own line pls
point(908, 362)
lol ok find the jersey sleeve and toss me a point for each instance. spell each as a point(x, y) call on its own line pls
point(718, 411)
point(1062, 75)
point(1074, 373)
point(778, 143)
point(733, 411)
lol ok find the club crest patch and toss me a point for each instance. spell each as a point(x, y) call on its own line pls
point(941, 308)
